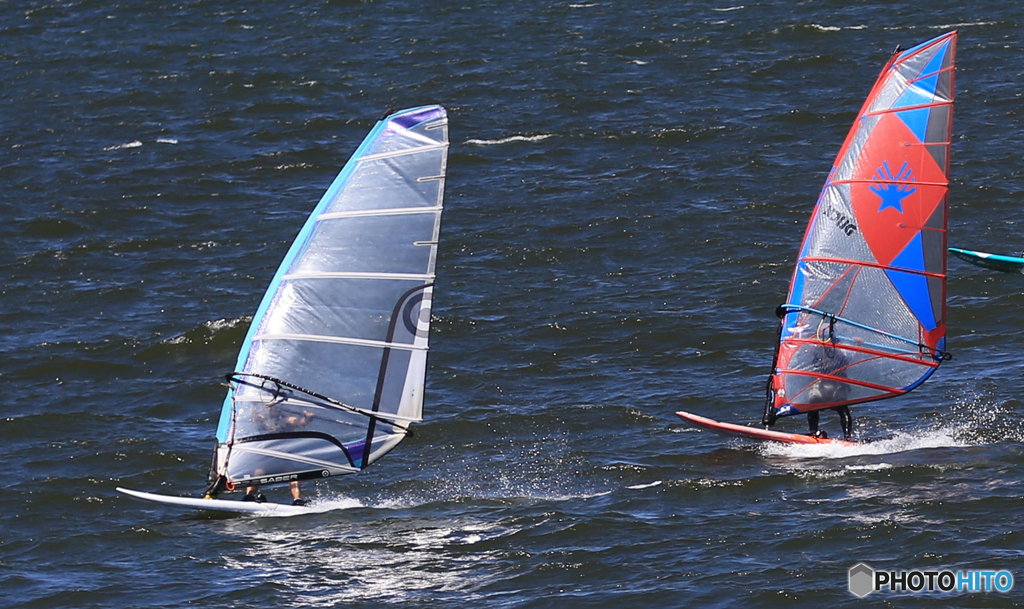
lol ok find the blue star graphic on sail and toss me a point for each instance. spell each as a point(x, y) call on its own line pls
point(892, 195)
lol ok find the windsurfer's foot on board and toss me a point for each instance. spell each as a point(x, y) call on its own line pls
point(252, 493)
point(845, 419)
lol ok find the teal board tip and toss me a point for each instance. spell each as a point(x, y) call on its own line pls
point(995, 262)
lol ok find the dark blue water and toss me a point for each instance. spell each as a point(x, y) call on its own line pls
point(628, 185)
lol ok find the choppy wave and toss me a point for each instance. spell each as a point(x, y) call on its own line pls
point(506, 140)
point(624, 204)
point(133, 144)
point(207, 331)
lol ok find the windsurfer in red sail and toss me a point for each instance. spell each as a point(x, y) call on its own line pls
point(829, 360)
point(819, 355)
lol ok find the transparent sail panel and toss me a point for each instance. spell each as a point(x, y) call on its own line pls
point(369, 245)
point(411, 179)
point(352, 308)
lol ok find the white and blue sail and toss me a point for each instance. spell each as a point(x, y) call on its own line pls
point(331, 373)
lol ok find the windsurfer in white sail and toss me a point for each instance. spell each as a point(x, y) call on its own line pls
point(272, 418)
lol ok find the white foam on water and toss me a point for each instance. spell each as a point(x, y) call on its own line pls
point(962, 24)
point(901, 442)
point(134, 144)
point(506, 140)
point(330, 504)
point(637, 487)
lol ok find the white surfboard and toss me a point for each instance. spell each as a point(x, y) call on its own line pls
point(220, 505)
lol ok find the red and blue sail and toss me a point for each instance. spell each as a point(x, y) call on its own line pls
point(865, 318)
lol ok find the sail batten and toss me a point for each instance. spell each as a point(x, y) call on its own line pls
point(862, 263)
point(908, 183)
point(395, 211)
point(333, 366)
point(908, 108)
point(314, 403)
point(397, 153)
point(865, 315)
point(341, 340)
point(841, 379)
point(357, 275)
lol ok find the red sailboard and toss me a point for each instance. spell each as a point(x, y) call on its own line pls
point(755, 433)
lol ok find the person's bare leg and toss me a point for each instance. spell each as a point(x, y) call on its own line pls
point(296, 493)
